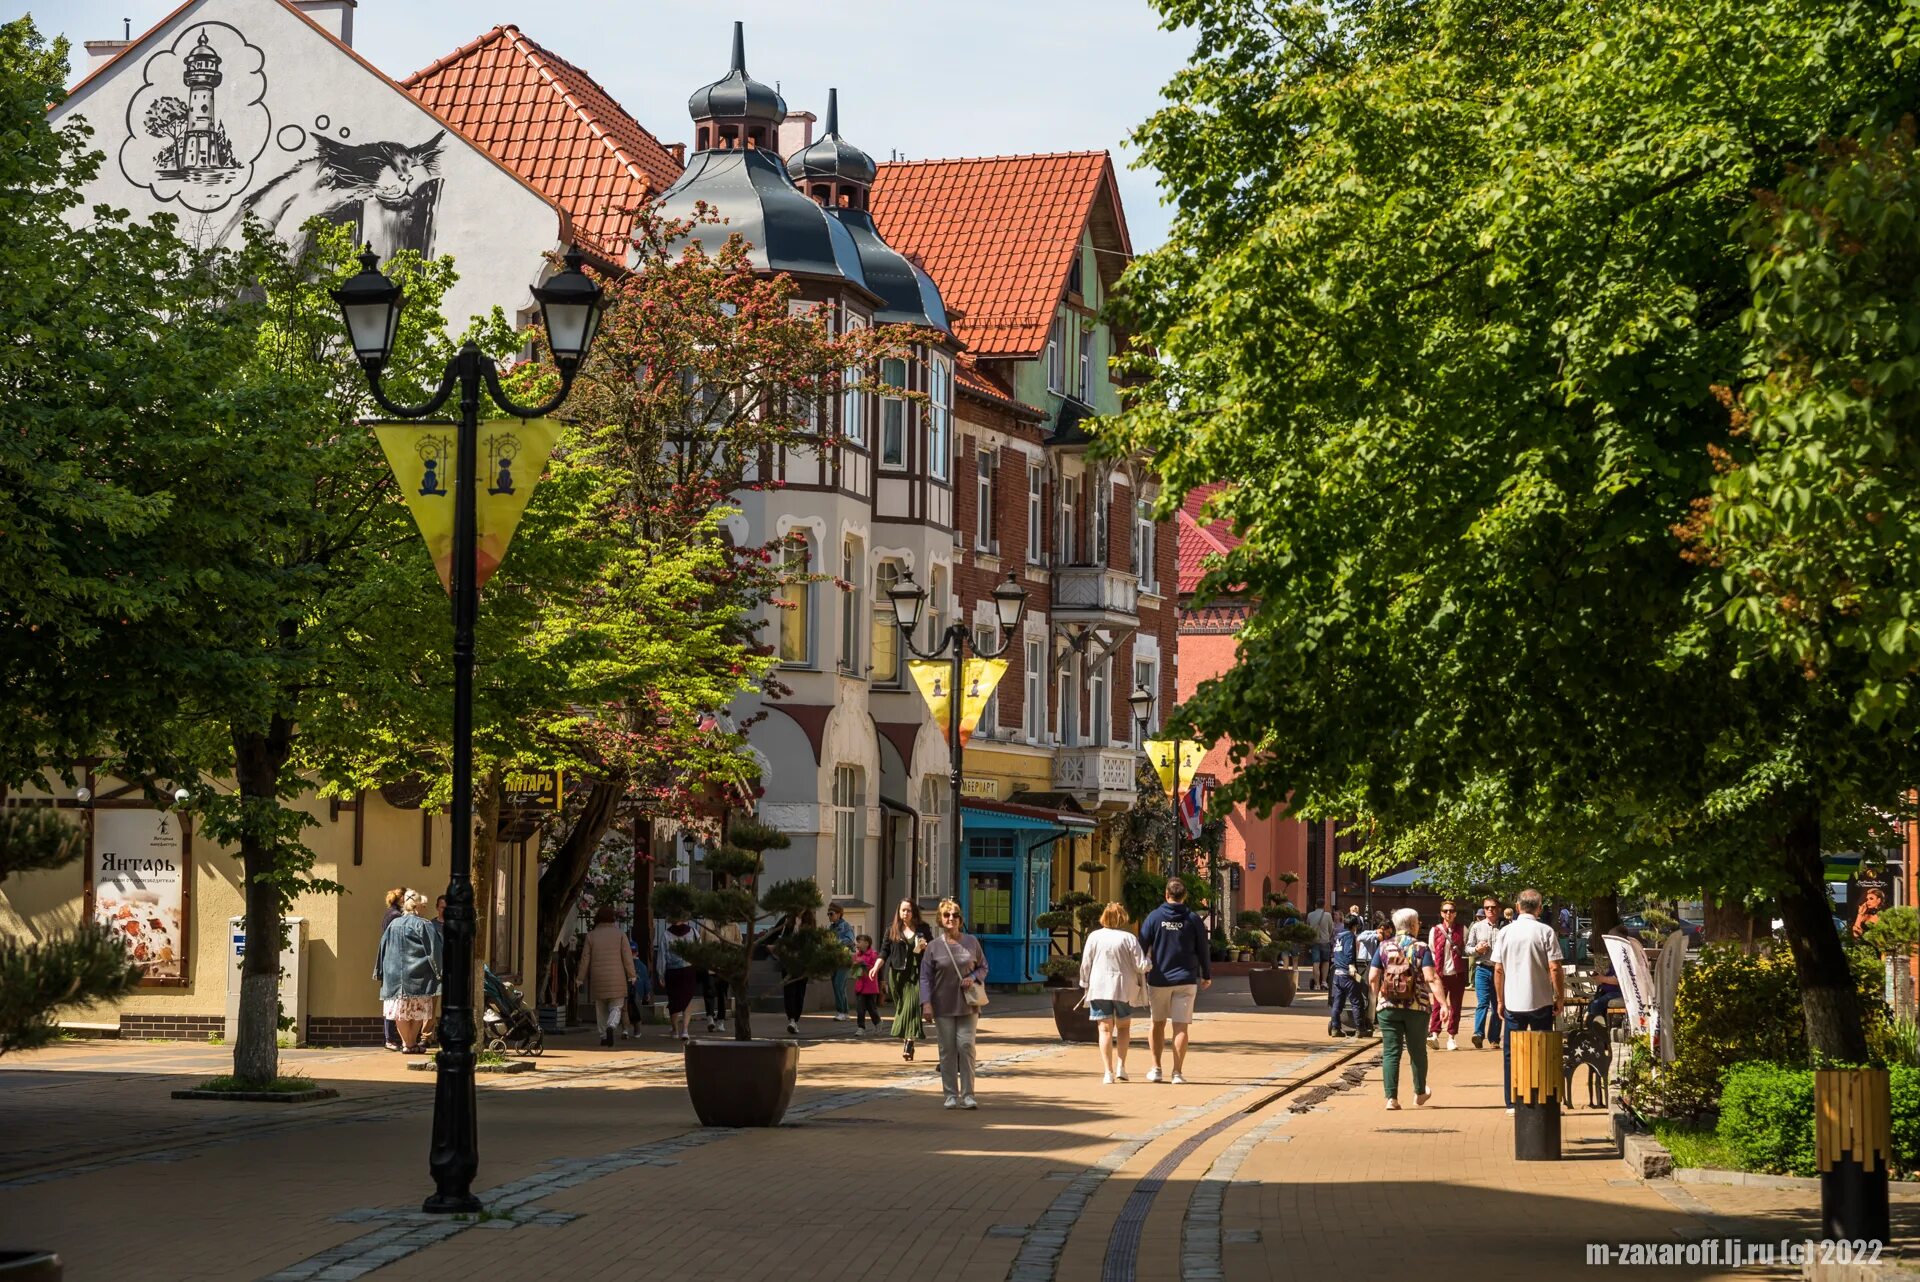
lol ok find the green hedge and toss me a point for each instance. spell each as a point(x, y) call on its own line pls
point(1766, 1118)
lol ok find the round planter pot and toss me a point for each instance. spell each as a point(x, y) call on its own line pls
point(736, 1083)
point(1070, 1016)
point(1273, 985)
point(30, 1266)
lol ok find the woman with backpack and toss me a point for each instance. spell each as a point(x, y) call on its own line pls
point(1403, 982)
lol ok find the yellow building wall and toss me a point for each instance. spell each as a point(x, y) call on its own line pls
point(343, 931)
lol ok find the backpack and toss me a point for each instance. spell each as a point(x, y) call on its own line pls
point(1400, 982)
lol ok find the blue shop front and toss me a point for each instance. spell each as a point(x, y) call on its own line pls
point(1006, 880)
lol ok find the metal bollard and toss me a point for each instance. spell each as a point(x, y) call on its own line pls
point(1536, 1095)
point(1853, 1143)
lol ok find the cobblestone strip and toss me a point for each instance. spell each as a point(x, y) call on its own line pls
point(510, 1205)
point(1043, 1242)
point(1200, 1240)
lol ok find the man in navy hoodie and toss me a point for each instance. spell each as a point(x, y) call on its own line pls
point(1175, 939)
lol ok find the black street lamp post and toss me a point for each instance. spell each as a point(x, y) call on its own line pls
point(1142, 700)
point(371, 303)
point(909, 598)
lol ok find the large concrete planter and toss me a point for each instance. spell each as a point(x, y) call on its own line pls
point(1071, 1017)
point(735, 1083)
point(1273, 985)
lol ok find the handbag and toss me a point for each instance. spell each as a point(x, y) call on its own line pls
point(975, 995)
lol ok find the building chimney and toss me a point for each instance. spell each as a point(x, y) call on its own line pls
point(678, 150)
point(335, 17)
point(101, 52)
point(796, 132)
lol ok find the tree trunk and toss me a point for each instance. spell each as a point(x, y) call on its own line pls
point(564, 874)
point(258, 759)
point(1727, 920)
point(1606, 917)
point(643, 890)
point(1835, 1032)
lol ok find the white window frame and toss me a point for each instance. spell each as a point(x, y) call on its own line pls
point(853, 424)
point(1056, 338)
point(1036, 513)
point(853, 573)
point(1068, 543)
point(893, 415)
point(940, 418)
point(847, 832)
point(983, 540)
point(984, 639)
point(1086, 366)
point(1033, 716)
point(1099, 730)
point(933, 847)
point(1146, 676)
point(886, 630)
point(1102, 513)
point(1066, 702)
point(798, 558)
point(1145, 536)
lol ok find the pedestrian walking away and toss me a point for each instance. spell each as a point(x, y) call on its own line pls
point(1527, 981)
point(1349, 982)
point(1403, 983)
point(867, 965)
point(907, 938)
point(1480, 937)
point(1448, 944)
point(842, 979)
point(677, 974)
point(394, 896)
point(1175, 941)
point(793, 988)
point(953, 988)
point(408, 966)
point(1366, 943)
point(607, 973)
point(1113, 973)
point(1320, 952)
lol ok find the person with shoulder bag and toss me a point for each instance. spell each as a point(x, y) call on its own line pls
point(906, 941)
point(953, 990)
point(1113, 972)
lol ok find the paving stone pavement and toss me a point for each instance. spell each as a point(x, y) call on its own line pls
point(594, 1167)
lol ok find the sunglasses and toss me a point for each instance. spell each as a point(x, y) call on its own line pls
point(949, 916)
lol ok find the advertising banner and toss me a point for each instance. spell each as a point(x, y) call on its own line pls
point(139, 874)
point(1666, 991)
point(1160, 753)
point(532, 789)
point(511, 455)
point(1636, 981)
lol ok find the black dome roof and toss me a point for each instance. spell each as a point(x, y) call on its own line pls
point(738, 96)
point(832, 157)
point(785, 231)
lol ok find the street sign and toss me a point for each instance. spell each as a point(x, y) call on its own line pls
point(532, 789)
point(986, 788)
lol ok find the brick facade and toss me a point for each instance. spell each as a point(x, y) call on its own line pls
point(180, 1028)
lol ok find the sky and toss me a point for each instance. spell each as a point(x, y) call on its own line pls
point(925, 80)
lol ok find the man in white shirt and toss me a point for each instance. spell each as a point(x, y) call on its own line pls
point(1323, 926)
point(1527, 982)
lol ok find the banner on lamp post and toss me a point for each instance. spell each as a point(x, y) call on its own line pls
point(510, 457)
point(981, 678)
point(1160, 753)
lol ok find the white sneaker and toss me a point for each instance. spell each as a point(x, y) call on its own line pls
point(1153, 1074)
point(1119, 1072)
point(793, 1026)
point(969, 1102)
point(1106, 1079)
point(1179, 1080)
point(720, 1027)
point(1453, 1044)
point(1433, 1037)
point(953, 1101)
point(841, 1017)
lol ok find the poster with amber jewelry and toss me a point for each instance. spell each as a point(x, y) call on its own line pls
point(139, 880)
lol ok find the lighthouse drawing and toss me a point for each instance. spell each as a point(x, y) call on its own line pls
point(203, 145)
point(199, 122)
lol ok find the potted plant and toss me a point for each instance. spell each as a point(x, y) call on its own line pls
point(743, 1081)
point(1277, 982)
point(1249, 934)
point(1070, 1017)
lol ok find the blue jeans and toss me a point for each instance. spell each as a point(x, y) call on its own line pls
point(1525, 1021)
point(1486, 1019)
point(1347, 991)
point(840, 992)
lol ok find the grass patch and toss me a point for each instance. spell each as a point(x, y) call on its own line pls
point(1693, 1144)
point(292, 1085)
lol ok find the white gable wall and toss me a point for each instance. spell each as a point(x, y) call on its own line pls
point(237, 108)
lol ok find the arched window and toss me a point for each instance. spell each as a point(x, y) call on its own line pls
point(885, 641)
point(796, 594)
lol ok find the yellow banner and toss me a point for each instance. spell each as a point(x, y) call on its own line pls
point(1160, 753)
point(982, 677)
point(512, 454)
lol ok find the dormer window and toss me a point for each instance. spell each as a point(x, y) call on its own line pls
point(1073, 277)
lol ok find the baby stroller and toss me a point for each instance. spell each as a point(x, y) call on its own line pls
point(509, 1024)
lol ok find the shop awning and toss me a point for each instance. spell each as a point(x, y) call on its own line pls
point(1007, 814)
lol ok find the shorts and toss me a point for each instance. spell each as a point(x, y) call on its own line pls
point(1317, 953)
point(1113, 1010)
point(1173, 1002)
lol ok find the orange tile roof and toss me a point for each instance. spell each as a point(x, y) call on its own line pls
point(969, 377)
point(552, 124)
point(997, 234)
point(1201, 540)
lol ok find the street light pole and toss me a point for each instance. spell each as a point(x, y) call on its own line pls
point(371, 305)
point(1010, 605)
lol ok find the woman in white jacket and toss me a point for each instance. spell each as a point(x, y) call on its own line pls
point(1113, 970)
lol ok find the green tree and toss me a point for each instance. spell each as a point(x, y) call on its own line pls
point(1449, 292)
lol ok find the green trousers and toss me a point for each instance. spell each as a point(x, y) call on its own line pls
point(1403, 1031)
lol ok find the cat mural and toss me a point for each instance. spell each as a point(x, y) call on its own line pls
point(386, 191)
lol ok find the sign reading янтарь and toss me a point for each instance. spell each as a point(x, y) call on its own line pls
point(139, 883)
point(532, 789)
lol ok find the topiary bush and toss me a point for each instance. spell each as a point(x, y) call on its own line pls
point(1766, 1118)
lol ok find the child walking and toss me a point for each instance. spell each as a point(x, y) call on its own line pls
point(866, 984)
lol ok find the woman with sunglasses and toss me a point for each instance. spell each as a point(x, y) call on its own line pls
point(907, 937)
point(953, 977)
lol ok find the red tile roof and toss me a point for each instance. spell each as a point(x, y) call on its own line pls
point(997, 234)
point(970, 378)
point(552, 124)
point(1201, 540)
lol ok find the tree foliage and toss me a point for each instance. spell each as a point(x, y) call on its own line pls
point(1449, 294)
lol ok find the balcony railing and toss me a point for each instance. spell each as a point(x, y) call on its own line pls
point(1095, 589)
point(1096, 774)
